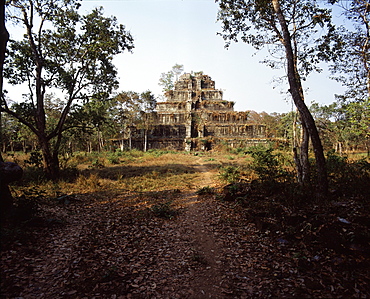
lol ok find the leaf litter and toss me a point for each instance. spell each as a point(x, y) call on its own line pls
point(103, 246)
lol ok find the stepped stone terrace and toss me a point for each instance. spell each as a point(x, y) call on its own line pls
point(195, 117)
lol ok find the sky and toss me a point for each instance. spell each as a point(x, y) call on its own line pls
point(169, 32)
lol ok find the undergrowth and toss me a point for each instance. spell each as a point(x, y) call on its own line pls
point(275, 177)
point(164, 210)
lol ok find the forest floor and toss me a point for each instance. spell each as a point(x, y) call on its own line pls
point(99, 245)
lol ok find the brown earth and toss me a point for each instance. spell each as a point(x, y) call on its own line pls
point(97, 246)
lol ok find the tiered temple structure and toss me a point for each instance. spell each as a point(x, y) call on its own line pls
point(195, 116)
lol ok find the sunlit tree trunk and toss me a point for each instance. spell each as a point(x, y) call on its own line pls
point(295, 90)
point(145, 140)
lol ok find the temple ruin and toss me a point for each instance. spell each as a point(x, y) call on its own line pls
point(195, 117)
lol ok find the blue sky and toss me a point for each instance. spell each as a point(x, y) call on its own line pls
point(169, 32)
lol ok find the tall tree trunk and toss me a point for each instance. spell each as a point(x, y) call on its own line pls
point(51, 161)
point(295, 91)
point(296, 153)
point(305, 139)
point(130, 139)
point(4, 37)
point(145, 140)
point(9, 172)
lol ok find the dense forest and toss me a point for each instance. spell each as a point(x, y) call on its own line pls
point(83, 216)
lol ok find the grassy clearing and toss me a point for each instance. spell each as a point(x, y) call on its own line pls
point(133, 171)
point(136, 171)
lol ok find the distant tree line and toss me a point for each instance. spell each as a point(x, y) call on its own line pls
point(104, 125)
point(93, 126)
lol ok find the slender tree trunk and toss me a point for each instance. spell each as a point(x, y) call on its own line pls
point(304, 155)
point(145, 140)
point(130, 140)
point(306, 116)
point(101, 140)
point(296, 153)
point(51, 161)
point(4, 37)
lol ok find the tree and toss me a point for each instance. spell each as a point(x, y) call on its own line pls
point(147, 114)
point(134, 110)
point(9, 172)
point(344, 126)
point(167, 80)
point(4, 37)
point(68, 52)
point(351, 64)
point(286, 25)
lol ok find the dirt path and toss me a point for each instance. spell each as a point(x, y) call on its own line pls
point(207, 283)
point(116, 248)
point(112, 245)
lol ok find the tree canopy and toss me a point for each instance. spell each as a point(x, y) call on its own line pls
point(167, 80)
point(286, 26)
point(62, 50)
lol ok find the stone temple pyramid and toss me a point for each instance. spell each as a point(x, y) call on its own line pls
point(195, 117)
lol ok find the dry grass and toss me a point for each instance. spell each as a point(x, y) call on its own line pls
point(132, 171)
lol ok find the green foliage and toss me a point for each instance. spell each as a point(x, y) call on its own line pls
point(349, 177)
point(351, 45)
point(73, 53)
point(241, 18)
point(159, 152)
point(113, 158)
point(98, 163)
point(344, 125)
point(229, 174)
point(207, 190)
point(35, 160)
point(27, 204)
point(167, 80)
point(164, 210)
point(266, 164)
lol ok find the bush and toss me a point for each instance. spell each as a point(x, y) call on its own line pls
point(98, 163)
point(267, 165)
point(113, 158)
point(207, 190)
point(348, 177)
point(35, 160)
point(164, 210)
point(91, 183)
point(27, 204)
point(229, 174)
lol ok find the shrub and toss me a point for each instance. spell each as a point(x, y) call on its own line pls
point(164, 210)
point(27, 204)
point(348, 177)
point(268, 165)
point(97, 163)
point(207, 190)
point(35, 160)
point(113, 158)
point(229, 174)
point(91, 183)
